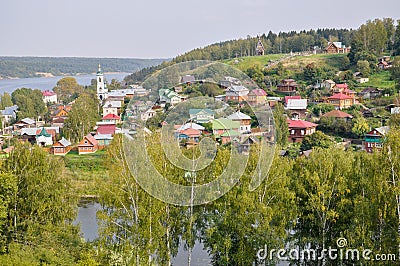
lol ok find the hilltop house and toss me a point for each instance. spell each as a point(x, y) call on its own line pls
point(298, 129)
point(88, 145)
point(257, 97)
point(61, 147)
point(244, 121)
point(287, 86)
point(260, 47)
point(147, 114)
point(201, 115)
point(236, 93)
point(229, 81)
point(188, 79)
point(49, 96)
point(371, 93)
point(374, 138)
point(336, 48)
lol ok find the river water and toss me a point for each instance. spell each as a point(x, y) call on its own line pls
point(9, 85)
point(86, 218)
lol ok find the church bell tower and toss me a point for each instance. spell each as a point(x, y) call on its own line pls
point(101, 85)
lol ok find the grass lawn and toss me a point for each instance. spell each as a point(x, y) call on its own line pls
point(86, 171)
point(380, 79)
point(249, 61)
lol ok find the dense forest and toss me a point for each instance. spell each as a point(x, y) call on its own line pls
point(23, 67)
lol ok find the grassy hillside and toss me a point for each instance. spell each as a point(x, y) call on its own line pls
point(249, 61)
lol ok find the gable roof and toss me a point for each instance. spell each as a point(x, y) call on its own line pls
point(239, 116)
point(28, 121)
point(225, 123)
point(337, 114)
point(190, 125)
point(43, 133)
point(111, 117)
point(106, 129)
point(340, 96)
point(191, 132)
point(237, 88)
point(258, 92)
point(188, 78)
point(62, 142)
point(90, 138)
point(342, 86)
point(230, 133)
point(48, 93)
point(300, 124)
point(196, 111)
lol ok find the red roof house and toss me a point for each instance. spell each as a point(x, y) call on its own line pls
point(111, 118)
point(341, 100)
point(300, 128)
point(106, 129)
point(338, 114)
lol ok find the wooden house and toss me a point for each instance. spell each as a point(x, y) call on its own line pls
point(341, 101)
point(236, 93)
point(288, 86)
point(61, 147)
point(257, 97)
point(374, 139)
point(298, 129)
point(88, 145)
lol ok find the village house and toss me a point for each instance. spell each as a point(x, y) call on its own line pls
point(341, 101)
point(201, 115)
point(230, 136)
point(112, 107)
point(112, 118)
point(147, 114)
point(371, 93)
point(188, 79)
point(374, 139)
point(244, 121)
point(9, 114)
point(236, 93)
point(31, 134)
point(336, 48)
point(257, 97)
point(337, 114)
point(61, 147)
point(222, 125)
point(328, 84)
point(88, 145)
point(189, 136)
point(170, 96)
point(103, 140)
point(49, 96)
point(245, 145)
point(288, 86)
point(229, 81)
point(24, 123)
point(298, 129)
point(44, 138)
point(296, 106)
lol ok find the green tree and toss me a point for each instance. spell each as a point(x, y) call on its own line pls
point(360, 126)
point(395, 72)
point(317, 139)
point(322, 108)
point(67, 89)
point(30, 103)
point(82, 118)
point(5, 100)
point(363, 67)
point(281, 125)
point(396, 44)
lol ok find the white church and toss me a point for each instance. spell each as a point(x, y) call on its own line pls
point(102, 91)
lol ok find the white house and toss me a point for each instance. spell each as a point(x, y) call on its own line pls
point(49, 96)
point(148, 114)
point(111, 107)
point(44, 138)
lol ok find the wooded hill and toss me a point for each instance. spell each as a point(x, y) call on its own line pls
point(24, 67)
point(371, 39)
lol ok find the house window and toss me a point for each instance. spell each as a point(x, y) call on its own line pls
point(292, 132)
point(302, 132)
point(100, 80)
point(86, 142)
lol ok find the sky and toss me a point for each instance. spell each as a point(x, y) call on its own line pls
point(165, 28)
